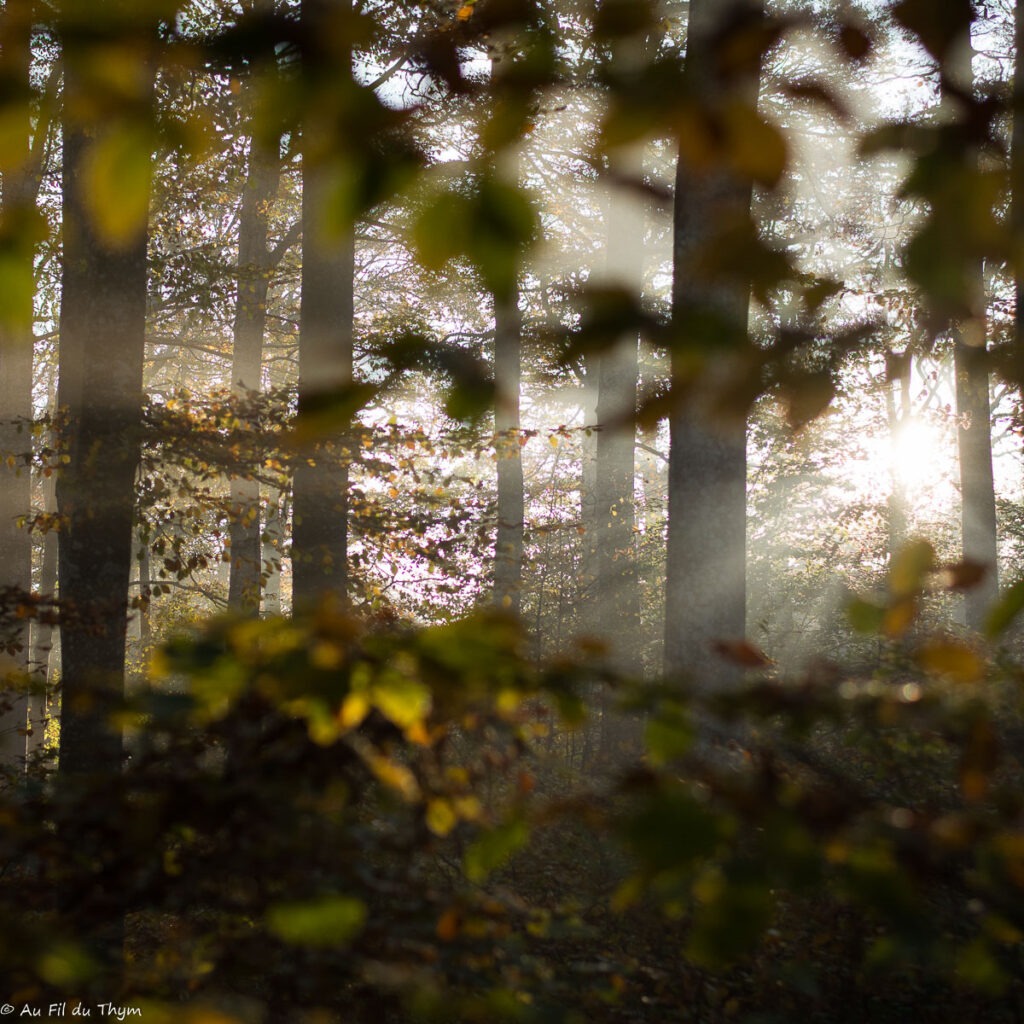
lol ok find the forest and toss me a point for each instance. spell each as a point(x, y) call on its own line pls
point(512, 510)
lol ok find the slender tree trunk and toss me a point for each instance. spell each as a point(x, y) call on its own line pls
point(977, 489)
point(974, 435)
point(320, 497)
point(19, 198)
point(705, 596)
point(145, 584)
point(508, 356)
point(898, 372)
point(508, 545)
point(254, 269)
point(588, 495)
point(1017, 175)
point(616, 598)
point(41, 656)
point(273, 540)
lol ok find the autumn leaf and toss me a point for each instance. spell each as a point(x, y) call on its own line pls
point(742, 653)
point(953, 659)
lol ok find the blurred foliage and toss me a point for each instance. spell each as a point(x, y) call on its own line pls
point(348, 818)
point(354, 821)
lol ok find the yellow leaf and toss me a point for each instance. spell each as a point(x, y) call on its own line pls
point(465, 12)
point(909, 567)
point(115, 185)
point(468, 808)
point(441, 817)
point(953, 659)
point(899, 617)
point(403, 701)
point(354, 709)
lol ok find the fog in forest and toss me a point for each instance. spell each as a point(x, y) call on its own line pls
point(511, 510)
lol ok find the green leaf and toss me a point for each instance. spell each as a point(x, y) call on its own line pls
point(491, 849)
point(731, 925)
point(491, 225)
point(327, 413)
point(1005, 610)
point(66, 965)
point(938, 25)
point(671, 830)
point(865, 616)
point(668, 737)
point(329, 921)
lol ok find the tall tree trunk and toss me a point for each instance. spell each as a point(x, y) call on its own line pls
point(19, 198)
point(102, 334)
point(974, 431)
point(273, 540)
point(102, 341)
point(1017, 178)
point(508, 356)
point(508, 545)
point(320, 496)
point(588, 495)
point(705, 595)
point(254, 269)
point(616, 598)
point(899, 367)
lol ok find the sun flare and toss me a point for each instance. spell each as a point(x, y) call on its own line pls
point(915, 452)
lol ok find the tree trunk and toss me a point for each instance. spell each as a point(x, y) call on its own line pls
point(616, 598)
point(102, 334)
point(320, 496)
point(588, 495)
point(705, 596)
point(974, 434)
point(102, 341)
point(42, 660)
point(977, 489)
point(254, 269)
point(273, 541)
point(899, 368)
point(19, 198)
point(508, 545)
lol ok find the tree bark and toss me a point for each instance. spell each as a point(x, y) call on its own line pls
point(508, 544)
point(254, 270)
point(616, 597)
point(42, 659)
point(16, 341)
point(320, 496)
point(974, 432)
point(102, 333)
point(705, 596)
point(102, 341)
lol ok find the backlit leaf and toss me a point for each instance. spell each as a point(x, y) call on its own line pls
point(115, 184)
point(910, 565)
point(954, 659)
point(1006, 610)
point(330, 921)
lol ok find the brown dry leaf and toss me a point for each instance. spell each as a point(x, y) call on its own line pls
point(963, 575)
point(743, 653)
